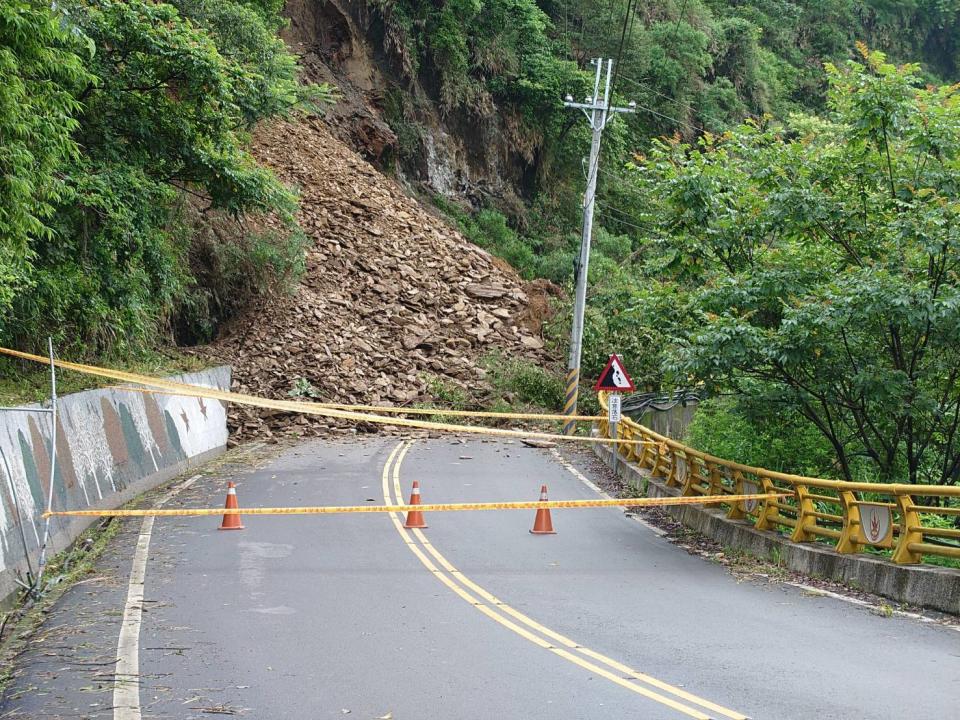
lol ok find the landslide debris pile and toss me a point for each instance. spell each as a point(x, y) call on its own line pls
point(392, 298)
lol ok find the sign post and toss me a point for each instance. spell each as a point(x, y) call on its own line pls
point(614, 380)
point(613, 417)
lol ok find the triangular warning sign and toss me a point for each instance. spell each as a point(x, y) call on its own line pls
point(614, 377)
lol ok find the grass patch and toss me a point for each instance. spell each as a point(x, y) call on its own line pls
point(447, 393)
point(24, 382)
point(523, 384)
point(513, 386)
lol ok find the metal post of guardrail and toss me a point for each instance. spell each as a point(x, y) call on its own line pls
point(909, 532)
point(689, 472)
point(847, 543)
point(736, 511)
point(805, 516)
point(660, 463)
point(642, 453)
point(769, 513)
point(675, 477)
point(716, 483)
point(684, 472)
point(672, 476)
point(657, 459)
point(627, 433)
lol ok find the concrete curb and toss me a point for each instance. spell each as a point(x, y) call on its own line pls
point(924, 586)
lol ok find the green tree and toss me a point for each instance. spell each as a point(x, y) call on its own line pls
point(824, 255)
point(41, 69)
point(162, 113)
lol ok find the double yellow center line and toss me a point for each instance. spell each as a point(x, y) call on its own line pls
point(527, 628)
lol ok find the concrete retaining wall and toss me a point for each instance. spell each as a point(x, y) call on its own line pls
point(925, 586)
point(111, 446)
point(672, 423)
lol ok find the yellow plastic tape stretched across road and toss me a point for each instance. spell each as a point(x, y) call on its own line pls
point(307, 408)
point(439, 507)
point(394, 410)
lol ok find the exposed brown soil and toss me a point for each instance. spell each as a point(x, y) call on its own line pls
point(392, 297)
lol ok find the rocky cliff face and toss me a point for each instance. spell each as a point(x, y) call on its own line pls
point(388, 114)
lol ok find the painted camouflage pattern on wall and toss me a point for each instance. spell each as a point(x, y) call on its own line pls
point(107, 441)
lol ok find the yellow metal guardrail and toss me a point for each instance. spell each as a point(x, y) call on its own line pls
point(856, 515)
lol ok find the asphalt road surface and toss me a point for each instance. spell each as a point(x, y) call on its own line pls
point(352, 616)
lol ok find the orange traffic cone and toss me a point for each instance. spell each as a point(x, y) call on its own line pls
point(543, 524)
point(231, 521)
point(415, 517)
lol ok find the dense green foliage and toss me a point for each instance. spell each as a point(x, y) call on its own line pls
point(819, 263)
point(41, 71)
point(709, 62)
point(111, 114)
point(747, 432)
point(689, 64)
point(522, 382)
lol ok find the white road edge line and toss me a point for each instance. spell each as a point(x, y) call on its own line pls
point(810, 589)
point(599, 491)
point(126, 679)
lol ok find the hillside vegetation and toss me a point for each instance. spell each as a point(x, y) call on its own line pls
point(120, 124)
point(124, 126)
point(776, 222)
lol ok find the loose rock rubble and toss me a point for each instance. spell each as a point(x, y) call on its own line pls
point(391, 298)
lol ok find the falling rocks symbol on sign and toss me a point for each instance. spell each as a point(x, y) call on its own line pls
point(614, 377)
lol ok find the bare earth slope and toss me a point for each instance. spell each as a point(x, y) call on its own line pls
point(391, 295)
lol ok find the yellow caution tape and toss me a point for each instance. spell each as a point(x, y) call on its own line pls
point(308, 408)
point(394, 410)
point(445, 507)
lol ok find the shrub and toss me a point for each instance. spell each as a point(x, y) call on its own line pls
point(530, 383)
point(763, 437)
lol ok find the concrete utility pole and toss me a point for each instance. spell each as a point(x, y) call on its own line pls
point(597, 112)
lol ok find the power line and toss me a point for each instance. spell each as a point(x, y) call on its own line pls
point(627, 189)
point(688, 106)
point(678, 121)
point(617, 211)
point(623, 36)
point(621, 221)
point(647, 86)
